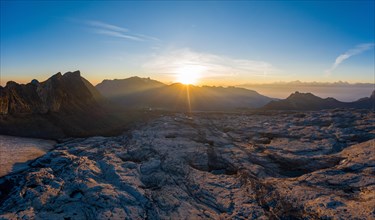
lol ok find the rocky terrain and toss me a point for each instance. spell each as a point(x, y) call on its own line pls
point(251, 165)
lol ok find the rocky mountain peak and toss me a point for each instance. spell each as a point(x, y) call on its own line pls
point(299, 95)
point(34, 82)
point(74, 74)
point(56, 76)
point(68, 91)
point(11, 84)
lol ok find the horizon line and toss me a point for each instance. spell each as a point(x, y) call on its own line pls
point(328, 83)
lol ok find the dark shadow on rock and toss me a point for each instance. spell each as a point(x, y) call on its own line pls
point(20, 166)
point(298, 167)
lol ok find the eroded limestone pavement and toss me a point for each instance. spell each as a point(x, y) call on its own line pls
point(208, 166)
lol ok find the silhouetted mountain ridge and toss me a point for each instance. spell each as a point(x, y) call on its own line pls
point(308, 101)
point(180, 97)
point(120, 87)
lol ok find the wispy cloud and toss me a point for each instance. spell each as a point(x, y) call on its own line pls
point(354, 51)
point(103, 28)
point(103, 25)
point(210, 65)
point(117, 34)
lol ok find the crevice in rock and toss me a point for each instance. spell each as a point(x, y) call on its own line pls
point(296, 168)
point(215, 164)
point(76, 194)
point(274, 206)
point(170, 136)
point(196, 194)
point(137, 155)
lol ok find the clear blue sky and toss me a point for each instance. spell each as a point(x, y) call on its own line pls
point(226, 42)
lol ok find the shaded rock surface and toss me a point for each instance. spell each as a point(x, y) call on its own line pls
point(283, 165)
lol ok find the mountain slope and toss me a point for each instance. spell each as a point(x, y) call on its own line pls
point(63, 105)
point(182, 97)
point(120, 87)
point(308, 101)
point(367, 103)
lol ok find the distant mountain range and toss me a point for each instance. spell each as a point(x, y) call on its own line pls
point(300, 83)
point(308, 101)
point(63, 105)
point(138, 92)
point(68, 105)
point(342, 91)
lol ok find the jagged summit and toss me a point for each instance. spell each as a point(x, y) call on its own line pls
point(76, 73)
point(57, 75)
point(11, 83)
point(297, 95)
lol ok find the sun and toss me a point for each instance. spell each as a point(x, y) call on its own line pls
point(189, 74)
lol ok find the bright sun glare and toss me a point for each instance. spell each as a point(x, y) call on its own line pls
point(189, 74)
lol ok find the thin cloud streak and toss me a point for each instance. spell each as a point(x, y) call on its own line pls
point(355, 51)
point(117, 31)
point(147, 37)
point(103, 25)
point(117, 34)
point(212, 65)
